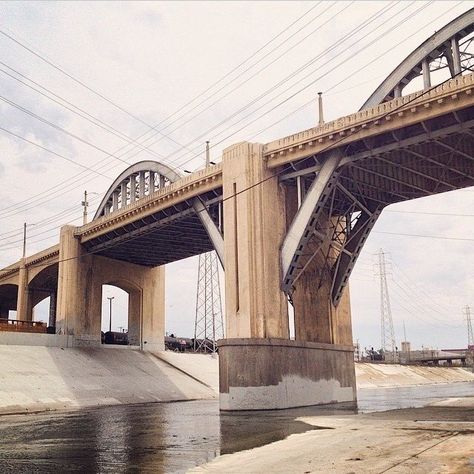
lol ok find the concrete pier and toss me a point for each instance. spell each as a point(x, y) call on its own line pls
point(265, 374)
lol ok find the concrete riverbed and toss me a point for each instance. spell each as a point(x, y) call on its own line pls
point(435, 435)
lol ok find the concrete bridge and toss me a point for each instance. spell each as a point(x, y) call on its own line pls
point(288, 220)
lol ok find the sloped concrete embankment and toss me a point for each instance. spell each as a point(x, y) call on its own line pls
point(206, 369)
point(42, 378)
point(387, 375)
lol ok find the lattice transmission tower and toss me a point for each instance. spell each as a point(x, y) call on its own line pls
point(470, 334)
point(386, 325)
point(209, 325)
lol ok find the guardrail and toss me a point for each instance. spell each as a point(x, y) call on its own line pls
point(16, 325)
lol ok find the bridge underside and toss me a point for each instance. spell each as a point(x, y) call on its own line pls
point(428, 158)
point(166, 236)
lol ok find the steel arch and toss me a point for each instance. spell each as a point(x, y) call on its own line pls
point(443, 43)
point(123, 183)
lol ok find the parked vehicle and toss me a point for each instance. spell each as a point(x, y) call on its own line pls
point(115, 337)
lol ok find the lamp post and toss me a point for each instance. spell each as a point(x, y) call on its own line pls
point(85, 205)
point(110, 298)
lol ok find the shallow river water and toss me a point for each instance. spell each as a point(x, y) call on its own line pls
point(169, 437)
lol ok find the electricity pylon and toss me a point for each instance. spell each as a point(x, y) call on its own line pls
point(208, 327)
point(386, 321)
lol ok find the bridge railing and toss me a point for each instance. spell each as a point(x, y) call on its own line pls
point(17, 325)
point(358, 118)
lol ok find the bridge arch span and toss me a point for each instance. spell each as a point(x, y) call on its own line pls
point(137, 181)
point(8, 299)
point(134, 317)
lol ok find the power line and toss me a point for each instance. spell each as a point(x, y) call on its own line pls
point(302, 89)
point(280, 83)
point(417, 315)
point(424, 236)
point(79, 111)
point(277, 35)
point(81, 83)
point(348, 35)
point(282, 171)
point(426, 213)
point(385, 52)
point(250, 77)
point(61, 129)
point(311, 102)
point(413, 299)
point(410, 284)
point(154, 127)
point(31, 142)
point(54, 218)
point(188, 160)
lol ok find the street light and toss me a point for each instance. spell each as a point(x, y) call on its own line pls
point(85, 205)
point(110, 298)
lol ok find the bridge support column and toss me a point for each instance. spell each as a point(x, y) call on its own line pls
point(259, 367)
point(153, 304)
point(52, 309)
point(254, 226)
point(24, 309)
point(256, 308)
point(316, 318)
point(79, 300)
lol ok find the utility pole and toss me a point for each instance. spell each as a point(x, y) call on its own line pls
point(387, 332)
point(24, 240)
point(84, 205)
point(470, 334)
point(110, 298)
point(208, 325)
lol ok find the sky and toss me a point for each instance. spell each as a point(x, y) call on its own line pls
point(80, 81)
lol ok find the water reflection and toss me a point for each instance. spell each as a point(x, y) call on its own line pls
point(168, 437)
point(135, 438)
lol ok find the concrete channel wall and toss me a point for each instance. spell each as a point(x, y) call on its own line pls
point(34, 378)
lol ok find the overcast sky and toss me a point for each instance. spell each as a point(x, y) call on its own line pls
point(184, 68)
